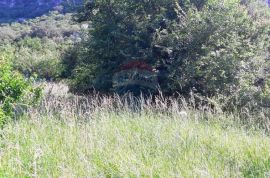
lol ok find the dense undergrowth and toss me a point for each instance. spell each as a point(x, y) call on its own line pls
point(39, 44)
point(15, 90)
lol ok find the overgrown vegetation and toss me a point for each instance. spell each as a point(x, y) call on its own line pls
point(39, 44)
point(167, 88)
point(209, 47)
point(121, 137)
point(15, 90)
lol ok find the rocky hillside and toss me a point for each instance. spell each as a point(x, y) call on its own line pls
point(14, 10)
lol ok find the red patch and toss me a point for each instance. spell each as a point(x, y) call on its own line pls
point(136, 64)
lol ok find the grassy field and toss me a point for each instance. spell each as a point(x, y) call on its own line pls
point(106, 138)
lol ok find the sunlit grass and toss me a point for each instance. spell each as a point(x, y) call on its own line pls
point(132, 145)
point(76, 136)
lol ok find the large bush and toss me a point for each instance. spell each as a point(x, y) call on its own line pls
point(121, 31)
point(210, 47)
point(15, 90)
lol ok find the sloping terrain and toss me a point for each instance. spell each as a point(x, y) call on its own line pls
point(18, 10)
point(38, 44)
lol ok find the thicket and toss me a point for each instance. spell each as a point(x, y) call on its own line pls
point(15, 90)
point(213, 48)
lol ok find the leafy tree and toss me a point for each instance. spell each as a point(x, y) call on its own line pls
point(121, 31)
point(219, 49)
point(212, 47)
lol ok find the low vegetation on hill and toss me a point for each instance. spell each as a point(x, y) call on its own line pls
point(39, 44)
point(20, 10)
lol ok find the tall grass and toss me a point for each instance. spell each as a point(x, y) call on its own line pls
point(72, 136)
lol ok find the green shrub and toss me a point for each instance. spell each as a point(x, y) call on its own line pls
point(39, 56)
point(14, 89)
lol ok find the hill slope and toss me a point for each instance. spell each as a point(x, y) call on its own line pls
point(11, 10)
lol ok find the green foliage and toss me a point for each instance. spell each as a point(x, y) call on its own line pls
point(14, 89)
point(218, 49)
point(38, 44)
point(39, 56)
point(116, 36)
point(56, 26)
point(210, 47)
point(2, 117)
